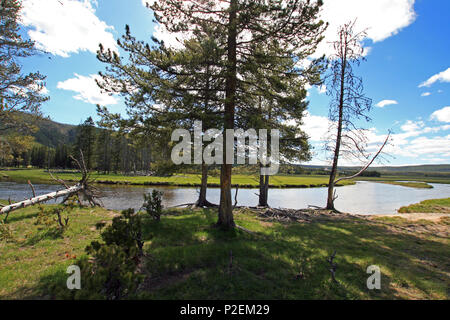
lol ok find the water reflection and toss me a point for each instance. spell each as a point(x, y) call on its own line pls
point(361, 198)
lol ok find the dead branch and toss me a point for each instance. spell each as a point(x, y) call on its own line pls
point(333, 266)
point(244, 229)
point(60, 181)
point(335, 196)
point(235, 197)
point(368, 164)
point(32, 189)
point(182, 205)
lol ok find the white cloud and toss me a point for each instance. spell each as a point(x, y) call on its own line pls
point(438, 145)
point(87, 89)
point(35, 87)
point(384, 103)
point(381, 18)
point(443, 76)
point(411, 126)
point(425, 94)
point(413, 142)
point(442, 115)
point(322, 89)
point(315, 126)
point(62, 27)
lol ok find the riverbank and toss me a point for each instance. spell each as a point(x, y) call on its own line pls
point(419, 185)
point(189, 259)
point(407, 178)
point(180, 180)
point(428, 206)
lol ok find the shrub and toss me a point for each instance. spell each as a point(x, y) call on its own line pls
point(111, 272)
point(152, 204)
point(57, 215)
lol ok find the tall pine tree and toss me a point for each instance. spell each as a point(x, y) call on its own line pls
point(18, 92)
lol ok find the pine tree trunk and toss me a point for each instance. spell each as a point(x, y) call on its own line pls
point(202, 202)
point(263, 191)
point(262, 201)
point(226, 220)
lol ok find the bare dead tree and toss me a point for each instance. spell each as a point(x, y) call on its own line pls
point(84, 189)
point(348, 106)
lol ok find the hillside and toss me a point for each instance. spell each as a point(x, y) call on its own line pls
point(51, 133)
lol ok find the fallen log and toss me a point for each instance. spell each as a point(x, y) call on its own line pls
point(46, 197)
point(83, 189)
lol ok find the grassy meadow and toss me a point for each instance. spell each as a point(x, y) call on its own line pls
point(187, 258)
point(190, 180)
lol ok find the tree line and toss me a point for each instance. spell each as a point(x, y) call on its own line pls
point(104, 151)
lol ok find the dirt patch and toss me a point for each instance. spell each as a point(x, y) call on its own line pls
point(266, 223)
point(420, 224)
point(434, 217)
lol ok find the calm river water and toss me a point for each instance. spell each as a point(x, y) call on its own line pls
point(361, 198)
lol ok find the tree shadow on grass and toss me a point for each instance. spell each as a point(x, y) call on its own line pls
point(187, 258)
point(358, 245)
point(413, 261)
point(51, 233)
point(12, 218)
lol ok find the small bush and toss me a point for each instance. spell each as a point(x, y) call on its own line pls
point(111, 272)
point(58, 215)
point(152, 204)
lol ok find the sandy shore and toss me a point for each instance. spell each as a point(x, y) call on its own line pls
point(416, 216)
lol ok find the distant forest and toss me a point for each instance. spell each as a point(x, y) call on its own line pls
point(52, 144)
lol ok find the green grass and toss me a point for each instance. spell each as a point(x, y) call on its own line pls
point(419, 185)
point(428, 206)
point(249, 181)
point(36, 252)
point(187, 258)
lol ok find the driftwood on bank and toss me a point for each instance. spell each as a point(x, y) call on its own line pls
point(299, 215)
point(83, 189)
point(43, 198)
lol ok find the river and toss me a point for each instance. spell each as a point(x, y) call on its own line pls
point(361, 198)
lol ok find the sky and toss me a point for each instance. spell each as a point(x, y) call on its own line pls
point(406, 74)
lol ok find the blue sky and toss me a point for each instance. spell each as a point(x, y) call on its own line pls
point(407, 72)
